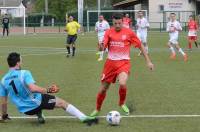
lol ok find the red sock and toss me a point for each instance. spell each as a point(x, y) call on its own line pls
point(190, 45)
point(122, 95)
point(99, 101)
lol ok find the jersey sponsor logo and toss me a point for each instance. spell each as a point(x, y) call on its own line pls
point(117, 43)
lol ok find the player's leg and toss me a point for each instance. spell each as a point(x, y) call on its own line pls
point(101, 51)
point(195, 41)
point(189, 43)
point(123, 77)
point(73, 45)
point(171, 48)
point(7, 30)
point(100, 98)
point(140, 37)
point(100, 48)
point(181, 51)
point(72, 110)
point(68, 45)
point(144, 39)
point(4, 29)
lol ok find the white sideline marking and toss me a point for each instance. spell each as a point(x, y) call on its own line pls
point(30, 47)
point(131, 116)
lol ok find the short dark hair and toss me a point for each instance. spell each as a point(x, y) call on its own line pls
point(140, 11)
point(13, 58)
point(191, 16)
point(70, 16)
point(117, 16)
point(173, 13)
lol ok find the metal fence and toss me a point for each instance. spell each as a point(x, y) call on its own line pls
point(60, 27)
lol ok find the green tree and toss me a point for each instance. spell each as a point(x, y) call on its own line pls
point(57, 7)
point(60, 7)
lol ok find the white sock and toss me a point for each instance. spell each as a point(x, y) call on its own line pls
point(106, 50)
point(172, 50)
point(181, 51)
point(75, 112)
point(101, 54)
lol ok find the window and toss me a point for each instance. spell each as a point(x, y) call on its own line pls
point(161, 8)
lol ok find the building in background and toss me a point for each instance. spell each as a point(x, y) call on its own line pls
point(158, 10)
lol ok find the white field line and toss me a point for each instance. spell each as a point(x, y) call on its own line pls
point(31, 47)
point(40, 54)
point(131, 116)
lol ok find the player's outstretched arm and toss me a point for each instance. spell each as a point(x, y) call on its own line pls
point(35, 88)
point(4, 114)
point(147, 58)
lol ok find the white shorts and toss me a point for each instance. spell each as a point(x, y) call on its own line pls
point(173, 39)
point(192, 33)
point(142, 36)
point(100, 39)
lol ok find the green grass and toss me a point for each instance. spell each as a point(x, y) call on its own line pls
point(172, 89)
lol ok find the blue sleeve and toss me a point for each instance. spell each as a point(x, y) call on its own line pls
point(3, 91)
point(28, 78)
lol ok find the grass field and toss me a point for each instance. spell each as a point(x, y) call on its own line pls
point(172, 89)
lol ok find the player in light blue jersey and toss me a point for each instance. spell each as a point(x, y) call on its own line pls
point(29, 98)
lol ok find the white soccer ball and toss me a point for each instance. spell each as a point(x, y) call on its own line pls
point(113, 118)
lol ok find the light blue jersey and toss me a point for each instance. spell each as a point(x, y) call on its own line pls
point(15, 85)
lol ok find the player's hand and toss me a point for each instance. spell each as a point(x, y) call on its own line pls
point(53, 89)
point(150, 65)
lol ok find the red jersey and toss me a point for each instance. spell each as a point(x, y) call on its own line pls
point(126, 22)
point(192, 25)
point(119, 43)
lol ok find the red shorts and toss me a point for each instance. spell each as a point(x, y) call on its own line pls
point(193, 38)
point(113, 68)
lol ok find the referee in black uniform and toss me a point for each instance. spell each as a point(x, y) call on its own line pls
point(5, 23)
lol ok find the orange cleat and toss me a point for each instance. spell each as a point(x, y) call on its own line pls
point(185, 57)
point(173, 56)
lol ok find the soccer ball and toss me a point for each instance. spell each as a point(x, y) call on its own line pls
point(113, 118)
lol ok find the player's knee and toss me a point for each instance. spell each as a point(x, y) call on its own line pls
point(122, 82)
point(103, 90)
point(61, 103)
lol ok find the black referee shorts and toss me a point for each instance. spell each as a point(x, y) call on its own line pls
point(71, 39)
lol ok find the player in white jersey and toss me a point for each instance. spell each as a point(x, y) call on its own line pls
point(174, 27)
point(101, 27)
point(142, 28)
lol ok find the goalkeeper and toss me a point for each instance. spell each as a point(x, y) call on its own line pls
point(30, 98)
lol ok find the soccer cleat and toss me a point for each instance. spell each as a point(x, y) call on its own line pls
point(140, 53)
point(173, 56)
point(98, 53)
point(125, 109)
point(100, 59)
point(67, 55)
point(90, 120)
point(185, 57)
point(94, 113)
point(41, 119)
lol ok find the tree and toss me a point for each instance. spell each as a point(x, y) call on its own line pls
point(60, 7)
point(57, 7)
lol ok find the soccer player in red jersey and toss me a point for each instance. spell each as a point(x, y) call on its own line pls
point(192, 34)
point(127, 22)
point(118, 40)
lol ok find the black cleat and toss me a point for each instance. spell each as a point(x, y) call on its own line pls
point(91, 120)
point(41, 119)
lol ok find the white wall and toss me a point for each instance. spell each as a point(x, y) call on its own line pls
point(169, 5)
